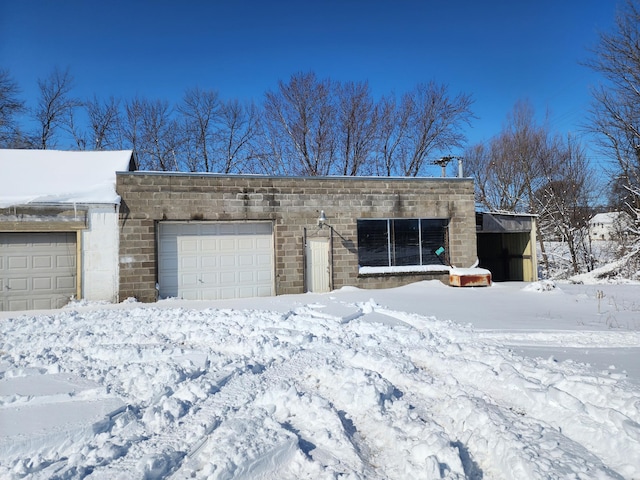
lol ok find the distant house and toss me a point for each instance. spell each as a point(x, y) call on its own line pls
point(59, 234)
point(609, 225)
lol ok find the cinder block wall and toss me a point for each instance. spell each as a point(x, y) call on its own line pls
point(292, 204)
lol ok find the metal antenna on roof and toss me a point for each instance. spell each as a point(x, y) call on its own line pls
point(444, 161)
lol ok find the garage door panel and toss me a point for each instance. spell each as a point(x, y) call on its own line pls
point(209, 262)
point(209, 244)
point(229, 293)
point(65, 282)
point(187, 245)
point(225, 260)
point(18, 285)
point(42, 283)
point(210, 278)
point(22, 305)
point(244, 292)
point(228, 244)
point(63, 261)
point(190, 295)
point(188, 280)
point(263, 259)
point(228, 277)
point(262, 243)
point(18, 262)
point(44, 304)
point(246, 260)
point(37, 269)
point(246, 244)
point(263, 292)
point(264, 277)
point(247, 277)
point(42, 261)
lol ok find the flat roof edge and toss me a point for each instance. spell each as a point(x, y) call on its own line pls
point(293, 177)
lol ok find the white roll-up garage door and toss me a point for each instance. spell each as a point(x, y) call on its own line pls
point(214, 260)
point(37, 270)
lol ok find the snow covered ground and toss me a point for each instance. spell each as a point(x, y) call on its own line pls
point(422, 381)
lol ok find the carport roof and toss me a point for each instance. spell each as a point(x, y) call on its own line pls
point(54, 176)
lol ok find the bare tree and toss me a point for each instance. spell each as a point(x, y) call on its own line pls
point(516, 164)
point(425, 122)
point(356, 128)
point(563, 202)
point(435, 124)
point(104, 122)
point(236, 135)
point(508, 171)
point(55, 105)
point(11, 106)
point(153, 134)
point(101, 125)
point(200, 110)
point(615, 111)
point(526, 169)
point(299, 122)
point(393, 122)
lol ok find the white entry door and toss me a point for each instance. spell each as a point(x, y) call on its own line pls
point(215, 260)
point(318, 266)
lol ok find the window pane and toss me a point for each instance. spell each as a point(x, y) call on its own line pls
point(405, 242)
point(434, 234)
point(372, 243)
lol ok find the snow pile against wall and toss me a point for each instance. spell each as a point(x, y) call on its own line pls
point(53, 176)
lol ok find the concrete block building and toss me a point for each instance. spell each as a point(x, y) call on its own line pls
point(211, 236)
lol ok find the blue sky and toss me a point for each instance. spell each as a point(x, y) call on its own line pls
point(499, 51)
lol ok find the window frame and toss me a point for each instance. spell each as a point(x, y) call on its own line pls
point(398, 255)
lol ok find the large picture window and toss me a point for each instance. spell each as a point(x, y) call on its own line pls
point(404, 242)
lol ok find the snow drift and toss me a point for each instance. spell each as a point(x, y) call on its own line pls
point(314, 386)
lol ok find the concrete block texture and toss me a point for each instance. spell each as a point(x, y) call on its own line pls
point(293, 204)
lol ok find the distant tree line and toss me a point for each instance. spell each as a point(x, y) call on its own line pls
point(306, 126)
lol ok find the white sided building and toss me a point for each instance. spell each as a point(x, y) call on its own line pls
point(59, 236)
point(609, 225)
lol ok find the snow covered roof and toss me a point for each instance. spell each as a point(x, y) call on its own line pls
point(54, 176)
point(606, 217)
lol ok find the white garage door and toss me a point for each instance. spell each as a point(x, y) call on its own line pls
point(210, 261)
point(37, 270)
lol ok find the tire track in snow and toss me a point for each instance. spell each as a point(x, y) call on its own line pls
point(272, 392)
point(168, 455)
point(561, 338)
point(457, 404)
point(159, 454)
point(546, 397)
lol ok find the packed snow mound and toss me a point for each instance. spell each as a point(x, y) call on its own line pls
point(615, 272)
point(325, 388)
point(542, 286)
